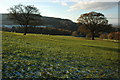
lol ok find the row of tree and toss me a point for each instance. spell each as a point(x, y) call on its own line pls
point(39, 30)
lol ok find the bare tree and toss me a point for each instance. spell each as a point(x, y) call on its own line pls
point(25, 15)
point(94, 22)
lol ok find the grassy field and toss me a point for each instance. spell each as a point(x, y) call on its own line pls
point(48, 56)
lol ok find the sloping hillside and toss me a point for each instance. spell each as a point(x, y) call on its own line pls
point(48, 56)
point(46, 21)
point(59, 23)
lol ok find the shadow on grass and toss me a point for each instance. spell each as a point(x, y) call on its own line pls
point(105, 48)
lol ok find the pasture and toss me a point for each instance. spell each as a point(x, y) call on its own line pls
point(54, 56)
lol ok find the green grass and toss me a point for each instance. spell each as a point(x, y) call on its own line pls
point(47, 56)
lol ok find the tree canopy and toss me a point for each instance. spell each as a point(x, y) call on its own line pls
point(93, 22)
point(25, 15)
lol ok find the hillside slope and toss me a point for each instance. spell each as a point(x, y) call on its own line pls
point(48, 56)
point(46, 21)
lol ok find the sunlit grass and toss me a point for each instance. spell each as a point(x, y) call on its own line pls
point(39, 56)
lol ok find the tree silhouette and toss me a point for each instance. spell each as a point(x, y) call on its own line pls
point(25, 15)
point(93, 22)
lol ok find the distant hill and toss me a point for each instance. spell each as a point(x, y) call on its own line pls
point(59, 23)
point(46, 21)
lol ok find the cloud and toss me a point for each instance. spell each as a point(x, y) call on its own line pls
point(84, 0)
point(64, 3)
point(106, 0)
point(92, 5)
point(79, 2)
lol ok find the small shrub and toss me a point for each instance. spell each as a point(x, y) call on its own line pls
point(111, 35)
point(117, 36)
point(74, 33)
point(104, 36)
point(114, 35)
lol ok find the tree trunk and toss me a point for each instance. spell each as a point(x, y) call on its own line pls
point(92, 36)
point(25, 30)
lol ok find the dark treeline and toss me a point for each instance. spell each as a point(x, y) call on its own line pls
point(84, 33)
point(39, 30)
point(51, 30)
point(56, 31)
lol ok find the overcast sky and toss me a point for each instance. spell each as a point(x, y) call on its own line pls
point(68, 9)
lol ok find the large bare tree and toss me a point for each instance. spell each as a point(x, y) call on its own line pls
point(94, 22)
point(25, 15)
